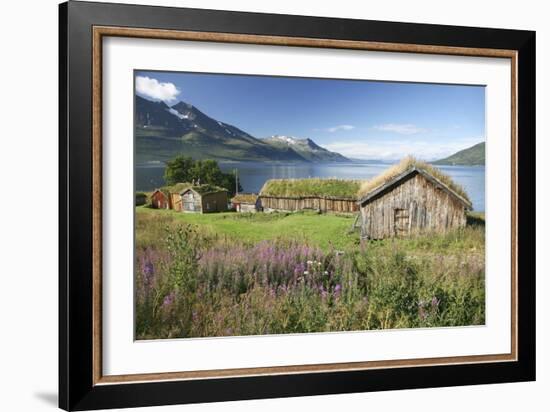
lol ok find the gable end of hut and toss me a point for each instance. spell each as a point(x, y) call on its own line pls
point(411, 203)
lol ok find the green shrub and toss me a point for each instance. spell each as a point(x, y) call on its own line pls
point(141, 198)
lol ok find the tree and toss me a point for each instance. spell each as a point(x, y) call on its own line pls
point(207, 171)
point(178, 170)
point(185, 169)
point(228, 182)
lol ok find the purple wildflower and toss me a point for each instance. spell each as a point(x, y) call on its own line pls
point(168, 300)
point(422, 313)
point(148, 273)
point(337, 291)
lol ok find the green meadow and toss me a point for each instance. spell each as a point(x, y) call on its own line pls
point(323, 230)
point(226, 274)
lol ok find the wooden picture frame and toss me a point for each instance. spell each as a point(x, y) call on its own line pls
point(82, 385)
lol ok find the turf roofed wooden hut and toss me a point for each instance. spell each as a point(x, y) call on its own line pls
point(411, 197)
point(246, 202)
point(324, 195)
point(204, 199)
point(160, 199)
point(168, 197)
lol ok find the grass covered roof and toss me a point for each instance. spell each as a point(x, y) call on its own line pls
point(206, 188)
point(408, 163)
point(245, 198)
point(200, 189)
point(338, 188)
point(177, 188)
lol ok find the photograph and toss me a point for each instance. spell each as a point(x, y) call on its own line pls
point(286, 205)
point(283, 205)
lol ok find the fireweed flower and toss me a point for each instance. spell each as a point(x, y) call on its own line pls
point(148, 275)
point(422, 313)
point(337, 291)
point(168, 300)
point(148, 269)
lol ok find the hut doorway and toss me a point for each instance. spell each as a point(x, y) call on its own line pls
point(401, 222)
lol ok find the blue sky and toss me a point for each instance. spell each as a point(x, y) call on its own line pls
point(357, 118)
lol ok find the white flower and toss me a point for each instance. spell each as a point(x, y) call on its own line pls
point(309, 262)
point(306, 273)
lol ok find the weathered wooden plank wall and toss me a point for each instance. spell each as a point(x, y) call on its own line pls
point(324, 204)
point(247, 208)
point(175, 202)
point(159, 201)
point(415, 205)
point(191, 202)
point(214, 202)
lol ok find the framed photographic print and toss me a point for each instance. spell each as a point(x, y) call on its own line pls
point(257, 205)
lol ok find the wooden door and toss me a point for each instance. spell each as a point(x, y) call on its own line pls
point(401, 222)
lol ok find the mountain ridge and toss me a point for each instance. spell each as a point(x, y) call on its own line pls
point(306, 147)
point(471, 156)
point(164, 131)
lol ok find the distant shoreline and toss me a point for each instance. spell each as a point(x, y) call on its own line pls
point(160, 163)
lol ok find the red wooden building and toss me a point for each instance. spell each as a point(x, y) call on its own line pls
point(159, 200)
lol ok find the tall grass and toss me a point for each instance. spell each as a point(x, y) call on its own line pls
point(192, 283)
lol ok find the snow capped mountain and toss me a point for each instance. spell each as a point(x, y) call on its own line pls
point(182, 128)
point(178, 114)
point(306, 148)
point(287, 139)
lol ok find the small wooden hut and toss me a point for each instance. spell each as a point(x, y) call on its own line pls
point(246, 202)
point(204, 199)
point(410, 198)
point(174, 195)
point(141, 198)
point(159, 199)
point(324, 195)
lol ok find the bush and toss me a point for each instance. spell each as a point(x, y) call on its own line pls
point(141, 198)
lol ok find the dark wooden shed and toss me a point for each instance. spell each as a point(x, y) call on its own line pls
point(411, 201)
point(204, 199)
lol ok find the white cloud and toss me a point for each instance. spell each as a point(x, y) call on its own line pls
point(156, 90)
point(400, 128)
point(397, 149)
point(336, 128)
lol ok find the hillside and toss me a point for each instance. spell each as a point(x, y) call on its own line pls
point(163, 132)
point(472, 156)
point(306, 148)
